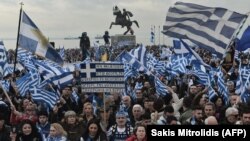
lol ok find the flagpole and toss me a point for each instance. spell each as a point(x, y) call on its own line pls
point(18, 30)
point(154, 34)
point(159, 35)
point(104, 105)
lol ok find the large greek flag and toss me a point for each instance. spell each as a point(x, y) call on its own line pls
point(211, 28)
point(32, 39)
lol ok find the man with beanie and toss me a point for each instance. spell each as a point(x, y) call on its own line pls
point(43, 124)
point(121, 130)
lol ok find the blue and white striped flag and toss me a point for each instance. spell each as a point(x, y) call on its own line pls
point(140, 54)
point(179, 48)
point(5, 85)
point(194, 57)
point(211, 28)
point(42, 95)
point(179, 65)
point(62, 80)
point(48, 69)
point(211, 93)
point(3, 59)
point(8, 70)
point(129, 71)
point(30, 79)
point(32, 39)
point(74, 96)
point(243, 43)
point(61, 52)
point(222, 87)
point(133, 61)
point(160, 87)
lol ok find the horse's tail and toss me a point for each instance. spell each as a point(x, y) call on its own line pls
point(136, 23)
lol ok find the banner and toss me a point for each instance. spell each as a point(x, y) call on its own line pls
point(102, 77)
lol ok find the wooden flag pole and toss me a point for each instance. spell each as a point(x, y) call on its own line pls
point(104, 107)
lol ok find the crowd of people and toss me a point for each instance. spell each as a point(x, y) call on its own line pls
point(119, 117)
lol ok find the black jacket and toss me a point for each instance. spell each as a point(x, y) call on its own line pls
point(5, 133)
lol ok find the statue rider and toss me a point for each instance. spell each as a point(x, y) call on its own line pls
point(119, 19)
point(116, 9)
point(126, 15)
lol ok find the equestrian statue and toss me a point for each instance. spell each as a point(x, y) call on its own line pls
point(123, 19)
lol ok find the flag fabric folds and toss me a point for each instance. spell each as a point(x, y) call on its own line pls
point(244, 42)
point(50, 98)
point(61, 52)
point(32, 39)
point(211, 28)
point(140, 54)
point(3, 59)
point(179, 48)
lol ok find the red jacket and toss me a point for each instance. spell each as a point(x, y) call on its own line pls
point(14, 120)
point(133, 138)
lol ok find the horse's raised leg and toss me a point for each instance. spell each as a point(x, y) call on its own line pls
point(111, 25)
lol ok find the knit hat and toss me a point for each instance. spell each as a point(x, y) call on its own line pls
point(121, 114)
point(69, 113)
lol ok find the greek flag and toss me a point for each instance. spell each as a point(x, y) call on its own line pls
point(61, 52)
point(32, 39)
point(50, 98)
point(243, 43)
point(48, 69)
point(30, 79)
point(140, 54)
point(209, 28)
point(179, 48)
point(3, 59)
point(161, 88)
point(194, 57)
point(5, 85)
point(222, 88)
point(74, 96)
point(133, 61)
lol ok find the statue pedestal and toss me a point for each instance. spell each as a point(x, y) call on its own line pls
point(121, 40)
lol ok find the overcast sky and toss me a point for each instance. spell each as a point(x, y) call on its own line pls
point(64, 18)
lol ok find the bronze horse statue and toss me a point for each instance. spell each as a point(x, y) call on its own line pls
point(121, 19)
